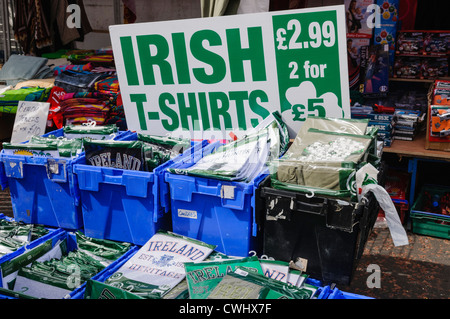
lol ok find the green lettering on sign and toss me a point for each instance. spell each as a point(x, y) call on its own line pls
point(208, 57)
point(256, 107)
point(239, 98)
point(181, 59)
point(148, 61)
point(254, 53)
point(216, 98)
point(139, 99)
point(163, 99)
point(129, 61)
point(190, 111)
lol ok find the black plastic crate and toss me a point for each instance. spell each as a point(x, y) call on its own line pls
point(329, 233)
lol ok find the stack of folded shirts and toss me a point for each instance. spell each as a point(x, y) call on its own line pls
point(109, 85)
point(82, 107)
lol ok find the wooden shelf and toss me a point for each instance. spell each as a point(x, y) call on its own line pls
point(412, 80)
point(419, 80)
point(416, 148)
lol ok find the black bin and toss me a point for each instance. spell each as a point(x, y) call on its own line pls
point(329, 233)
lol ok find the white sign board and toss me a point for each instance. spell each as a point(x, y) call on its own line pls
point(31, 119)
point(214, 77)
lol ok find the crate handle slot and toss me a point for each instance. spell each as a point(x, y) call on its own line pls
point(311, 208)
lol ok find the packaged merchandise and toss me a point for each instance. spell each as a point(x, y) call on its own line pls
point(14, 235)
point(434, 67)
point(386, 32)
point(202, 277)
point(409, 42)
point(91, 130)
point(354, 46)
point(244, 284)
point(407, 124)
point(28, 149)
point(389, 11)
point(158, 266)
point(357, 14)
point(441, 97)
point(159, 149)
point(407, 67)
point(275, 269)
point(375, 70)
point(436, 43)
point(324, 161)
point(116, 154)
point(245, 158)
point(440, 122)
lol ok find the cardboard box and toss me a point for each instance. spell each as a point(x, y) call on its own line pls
point(434, 143)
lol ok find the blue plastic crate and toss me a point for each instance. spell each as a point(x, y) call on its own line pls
point(218, 212)
point(52, 240)
point(126, 205)
point(339, 294)
point(44, 190)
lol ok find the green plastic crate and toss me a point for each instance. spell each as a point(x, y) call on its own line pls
point(428, 223)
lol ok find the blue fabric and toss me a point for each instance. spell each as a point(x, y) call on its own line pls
point(20, 68)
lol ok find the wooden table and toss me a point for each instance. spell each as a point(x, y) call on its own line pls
point(415, 151)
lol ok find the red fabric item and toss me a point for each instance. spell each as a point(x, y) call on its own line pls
point(407, 14)
point(54, 113)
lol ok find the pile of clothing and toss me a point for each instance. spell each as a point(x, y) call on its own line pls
point(90, 90)
point(80, 85)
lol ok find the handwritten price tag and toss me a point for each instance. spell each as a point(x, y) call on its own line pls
point(31, 119)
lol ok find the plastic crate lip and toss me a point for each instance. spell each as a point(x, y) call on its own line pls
point(417, 212)
point(214, 189)
point(111, 171)
point(400, 201)
point(33, 244)
point(33, 160)
point(334, 294)
point(428, 215)
point(37, 160)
